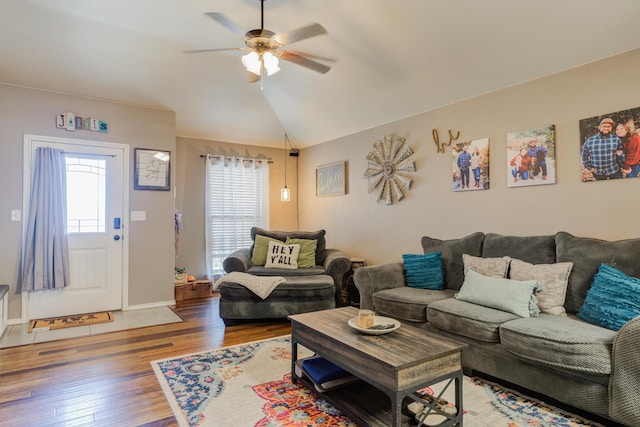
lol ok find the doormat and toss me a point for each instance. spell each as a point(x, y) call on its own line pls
point(70, 321)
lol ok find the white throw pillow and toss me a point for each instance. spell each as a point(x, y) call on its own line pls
point(280, 255)
point(513, 296)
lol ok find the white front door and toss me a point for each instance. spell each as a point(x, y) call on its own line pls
point(97, 180)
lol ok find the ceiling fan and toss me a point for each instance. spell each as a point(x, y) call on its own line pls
point(264, 46)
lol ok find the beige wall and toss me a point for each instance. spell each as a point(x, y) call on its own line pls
point(190, 183)
point(361, 227)
point(27, 111)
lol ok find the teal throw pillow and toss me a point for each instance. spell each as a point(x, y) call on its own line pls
point(424, 271)
point(612, 300)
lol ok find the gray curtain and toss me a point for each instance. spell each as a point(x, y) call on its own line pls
point(46, 256)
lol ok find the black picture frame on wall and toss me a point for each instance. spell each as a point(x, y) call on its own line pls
point(151, 169)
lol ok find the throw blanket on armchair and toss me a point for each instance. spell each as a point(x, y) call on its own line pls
point(262, 286)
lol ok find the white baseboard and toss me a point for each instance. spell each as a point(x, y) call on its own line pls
point(19, 320)
point(150, 305)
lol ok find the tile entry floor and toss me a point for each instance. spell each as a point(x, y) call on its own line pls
point(15, 335)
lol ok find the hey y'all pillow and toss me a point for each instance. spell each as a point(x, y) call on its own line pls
point(280, 255)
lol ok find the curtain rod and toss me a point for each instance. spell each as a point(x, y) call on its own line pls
point(89, 154)
point(237, 158)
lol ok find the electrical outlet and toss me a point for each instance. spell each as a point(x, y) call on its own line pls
point(16, 215)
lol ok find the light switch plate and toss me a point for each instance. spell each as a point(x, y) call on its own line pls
point(138, 215)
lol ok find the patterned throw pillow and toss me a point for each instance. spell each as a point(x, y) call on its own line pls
point(612, 300)
point(424, 271)
point(491, 267)
point(280, 255)
point(554, 279)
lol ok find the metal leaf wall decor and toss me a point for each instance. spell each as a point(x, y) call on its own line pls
point(389, 169)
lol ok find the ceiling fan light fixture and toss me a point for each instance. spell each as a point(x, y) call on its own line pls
point(270, 62)
point(254, 62)
point(251, 62)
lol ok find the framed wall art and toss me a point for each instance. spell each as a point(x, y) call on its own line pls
point(470, 165)
point(151, 169)
point(531, 157)
point(610, 146)
point(331, 179)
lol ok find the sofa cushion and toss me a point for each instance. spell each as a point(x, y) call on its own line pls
point(533, 249)
point(307, 255)
point(560, 342)
point(452, 251)
point(406, 303)
point(514, 296)
point(260, 270)
point(260, 247)
point(423, 271)
point(321, 248)
point(587, 254)
point(612, 300)
point(467, 319)
point(293, 288)
point(492, 267)
point(553, 278)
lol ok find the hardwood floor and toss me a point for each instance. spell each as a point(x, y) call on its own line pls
point(106, 380)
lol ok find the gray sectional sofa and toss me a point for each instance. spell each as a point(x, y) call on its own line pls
point(563, 357)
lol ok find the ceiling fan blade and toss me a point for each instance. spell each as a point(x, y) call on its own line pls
point(305, 62)
point(226, 22)
point(214, 50)
point(300, 34)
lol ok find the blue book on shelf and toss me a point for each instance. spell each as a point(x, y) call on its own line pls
point(322, 371)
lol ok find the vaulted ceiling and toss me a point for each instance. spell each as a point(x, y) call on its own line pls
point(390, 59)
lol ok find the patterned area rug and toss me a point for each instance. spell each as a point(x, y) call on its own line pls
point(250, 385)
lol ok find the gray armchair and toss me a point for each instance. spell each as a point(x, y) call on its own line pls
point(317, 287)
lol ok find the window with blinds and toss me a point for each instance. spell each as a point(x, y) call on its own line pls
point(237, 199)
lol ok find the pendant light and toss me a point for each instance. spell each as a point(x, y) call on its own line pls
point(285, 193)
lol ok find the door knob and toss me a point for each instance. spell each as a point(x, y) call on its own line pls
point(116, 237)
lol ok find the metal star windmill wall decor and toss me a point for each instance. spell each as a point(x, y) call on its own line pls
point(390, 167)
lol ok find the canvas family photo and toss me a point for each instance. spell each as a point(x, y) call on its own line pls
point(610, 146)
point(470, 165)
point(531, 157)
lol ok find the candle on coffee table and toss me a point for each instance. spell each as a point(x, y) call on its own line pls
point(365, 318)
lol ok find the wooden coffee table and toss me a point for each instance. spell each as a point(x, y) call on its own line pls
point(393, 366)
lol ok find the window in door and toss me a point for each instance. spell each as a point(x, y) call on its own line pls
point(86, 194)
